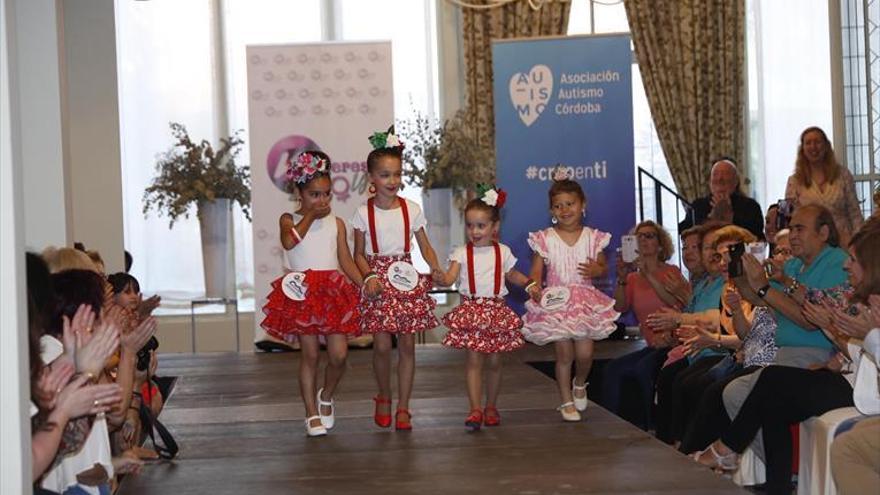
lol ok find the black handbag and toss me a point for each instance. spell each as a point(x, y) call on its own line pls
point(168, 448)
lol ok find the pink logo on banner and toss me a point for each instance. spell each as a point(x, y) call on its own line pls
point(348, 177)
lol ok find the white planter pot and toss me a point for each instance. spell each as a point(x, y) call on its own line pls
point(215, 220)
point(440, 212)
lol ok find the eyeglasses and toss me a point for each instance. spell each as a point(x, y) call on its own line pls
point(781, 252)
point(647, 235)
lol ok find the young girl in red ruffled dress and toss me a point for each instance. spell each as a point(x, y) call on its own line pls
point(396, 298)
point(482, 323)
point(314, 298)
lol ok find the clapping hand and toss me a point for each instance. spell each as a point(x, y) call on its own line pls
point(134, 340)
point(733, 300)
point(721, 208)
point(855, 326)
point(677, 286)
point(146, 306)
point(51, 382)
point(664, 320)
point(77, 331)
point(701, 338)
point(754, 272)
point(78, 399)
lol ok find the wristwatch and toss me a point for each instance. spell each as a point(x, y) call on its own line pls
point(762, 292)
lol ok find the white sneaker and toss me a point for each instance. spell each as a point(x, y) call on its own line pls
point(315, 431)
point(580, 403)
point(571, 416)
point(329, 420)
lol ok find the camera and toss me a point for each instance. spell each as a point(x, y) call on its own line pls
point(735, 266)
point(143, 355)
point(784, 209)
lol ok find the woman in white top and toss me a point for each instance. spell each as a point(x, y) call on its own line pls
point(819, 179)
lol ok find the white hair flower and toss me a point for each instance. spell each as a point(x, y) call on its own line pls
point(392, 141)
point(490, 197)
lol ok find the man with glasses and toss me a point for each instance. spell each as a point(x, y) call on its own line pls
point(726, 203)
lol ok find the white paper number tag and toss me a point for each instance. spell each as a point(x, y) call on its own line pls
point(555, 298)
point(402, 276)
point(294, 286)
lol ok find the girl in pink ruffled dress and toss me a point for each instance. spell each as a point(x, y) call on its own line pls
point(571, 313)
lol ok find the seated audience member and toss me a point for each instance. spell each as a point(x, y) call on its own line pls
point(756, 328)
point(644, 286)
point(817, 263)
point(707, 345)
point(701, 310)
point(726, 203)
point(783, 395)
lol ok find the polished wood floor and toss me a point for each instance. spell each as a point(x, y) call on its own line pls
point(238, 420)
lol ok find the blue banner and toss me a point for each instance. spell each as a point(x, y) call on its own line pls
point(564, 101)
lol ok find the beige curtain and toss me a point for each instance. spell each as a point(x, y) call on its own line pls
point(517, 19)
point(691, 55)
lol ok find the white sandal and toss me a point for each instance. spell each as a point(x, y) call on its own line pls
point(727, 463)
point(580, 403)
point(329, 420)
point(315, 431)
point(569, 416)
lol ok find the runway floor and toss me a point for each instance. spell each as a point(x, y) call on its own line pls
point(238, 420)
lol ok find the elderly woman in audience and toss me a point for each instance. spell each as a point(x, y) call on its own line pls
point(702, 310)
point(820, 179)
point(645, 286)
point(783, 395)
point(755, 326)
point(708, 344)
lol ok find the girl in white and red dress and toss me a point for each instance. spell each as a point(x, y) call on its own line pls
point(483, 323)
point(572, 313)
point(397, 300)
point(315, 299)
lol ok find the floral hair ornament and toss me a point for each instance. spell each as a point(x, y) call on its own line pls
point(491, 195)
point(306, 166)
point(562, 173)
point(388, 139)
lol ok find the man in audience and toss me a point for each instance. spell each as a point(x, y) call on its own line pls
point(726, 203)
point(817, 263)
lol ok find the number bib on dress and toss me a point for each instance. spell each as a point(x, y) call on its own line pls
point(402, 276)
point(555, 298)
point(294, 287)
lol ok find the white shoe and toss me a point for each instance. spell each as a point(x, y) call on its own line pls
point(329, 420)
point(314, 431)
point(580, 403)
point(569, 416)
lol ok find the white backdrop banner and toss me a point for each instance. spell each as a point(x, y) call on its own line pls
point(323, 96)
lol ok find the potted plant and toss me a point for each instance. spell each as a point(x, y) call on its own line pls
point(446, 161)
point(193, 173)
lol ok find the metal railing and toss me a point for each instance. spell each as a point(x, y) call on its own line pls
point(662, 192)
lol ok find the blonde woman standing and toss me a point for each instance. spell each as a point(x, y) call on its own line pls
point(819, 179)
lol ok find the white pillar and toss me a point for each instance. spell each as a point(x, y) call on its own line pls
point(15, 440)
point(90, 102)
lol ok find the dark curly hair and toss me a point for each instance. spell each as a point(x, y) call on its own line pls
point(566, 186)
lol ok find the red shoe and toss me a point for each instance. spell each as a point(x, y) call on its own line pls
point(400, 424)
point(474, 420)
point(492, 417)
point(382, 420)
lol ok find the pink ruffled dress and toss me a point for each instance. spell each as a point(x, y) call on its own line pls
point(589, 313)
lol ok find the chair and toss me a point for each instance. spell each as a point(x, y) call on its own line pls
point(816, 435)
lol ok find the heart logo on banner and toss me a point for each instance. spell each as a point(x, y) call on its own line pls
point(530, 92)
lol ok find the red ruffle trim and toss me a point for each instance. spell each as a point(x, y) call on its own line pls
point(330, 307)
point(483, 325)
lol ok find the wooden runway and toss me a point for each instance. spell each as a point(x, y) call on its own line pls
point(238, 420)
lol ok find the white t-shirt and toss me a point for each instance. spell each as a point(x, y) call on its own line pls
point(317, 250)
point(484, 269)
point(389, 227)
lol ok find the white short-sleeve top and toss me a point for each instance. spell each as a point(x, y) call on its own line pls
point(389, 227)
point(317, 250)
point(484, 269)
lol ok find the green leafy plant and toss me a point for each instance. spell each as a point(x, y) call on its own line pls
point(192, 172)
point(447, 155)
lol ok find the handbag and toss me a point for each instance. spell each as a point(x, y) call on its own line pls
point(168, 448)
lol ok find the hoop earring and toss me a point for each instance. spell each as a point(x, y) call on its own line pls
point(584, 212)
point(553, 220)
point(372, 189)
